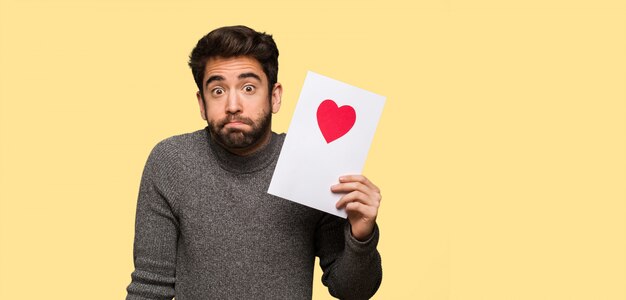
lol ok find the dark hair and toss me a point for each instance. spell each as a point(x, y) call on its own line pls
point(232, 41)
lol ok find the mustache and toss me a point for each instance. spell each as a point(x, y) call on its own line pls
point(235, 118)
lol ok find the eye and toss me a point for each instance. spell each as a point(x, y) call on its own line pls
point(249, 89)
point(218, 91)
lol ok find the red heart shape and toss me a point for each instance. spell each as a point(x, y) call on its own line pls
point(334, 122)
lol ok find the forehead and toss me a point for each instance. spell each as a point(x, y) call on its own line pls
point(232, 66)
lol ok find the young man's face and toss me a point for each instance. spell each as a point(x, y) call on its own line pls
point(237, 103)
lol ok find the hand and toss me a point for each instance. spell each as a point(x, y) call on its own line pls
point(361, 202)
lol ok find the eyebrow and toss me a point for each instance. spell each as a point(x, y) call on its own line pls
point(250, 75)
point(213, 78)
point(241, 76)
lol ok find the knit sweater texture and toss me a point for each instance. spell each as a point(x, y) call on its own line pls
point(206, 228)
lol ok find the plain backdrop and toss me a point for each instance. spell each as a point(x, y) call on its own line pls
point(501, 151)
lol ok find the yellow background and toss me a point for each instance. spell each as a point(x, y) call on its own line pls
point(501, 151)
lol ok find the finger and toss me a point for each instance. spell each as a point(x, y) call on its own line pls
point(358, 197)
point(357, 186)
point(359, 178)
point(348, 187)
point(361, 211)
point(350, 197)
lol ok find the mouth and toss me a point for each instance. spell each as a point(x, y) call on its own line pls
point(235, 123)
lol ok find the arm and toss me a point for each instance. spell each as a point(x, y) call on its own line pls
point(351, 265)
point(156, 234)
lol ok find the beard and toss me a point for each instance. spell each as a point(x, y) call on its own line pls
point(234, 138)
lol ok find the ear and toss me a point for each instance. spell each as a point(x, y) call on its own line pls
point(277, 93)
point(201, 104)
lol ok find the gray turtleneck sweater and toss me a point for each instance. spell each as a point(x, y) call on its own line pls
point(206, 228)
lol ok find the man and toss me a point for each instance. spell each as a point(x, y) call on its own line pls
point(206, 228)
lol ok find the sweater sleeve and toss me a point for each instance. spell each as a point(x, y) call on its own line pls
point(352, 269)
point(156, 234)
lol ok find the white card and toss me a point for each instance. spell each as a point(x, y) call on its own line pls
point(330, 134)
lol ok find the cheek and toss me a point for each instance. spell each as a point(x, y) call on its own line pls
point(263, 104)
point(260, 107)
point(214, 115)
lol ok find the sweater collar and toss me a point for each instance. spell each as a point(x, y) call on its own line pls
point(245, 164)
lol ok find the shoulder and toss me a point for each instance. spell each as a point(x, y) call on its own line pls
point(179, 148)
point(280, 137)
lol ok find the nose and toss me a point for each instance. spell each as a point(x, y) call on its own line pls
point(233, 103)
